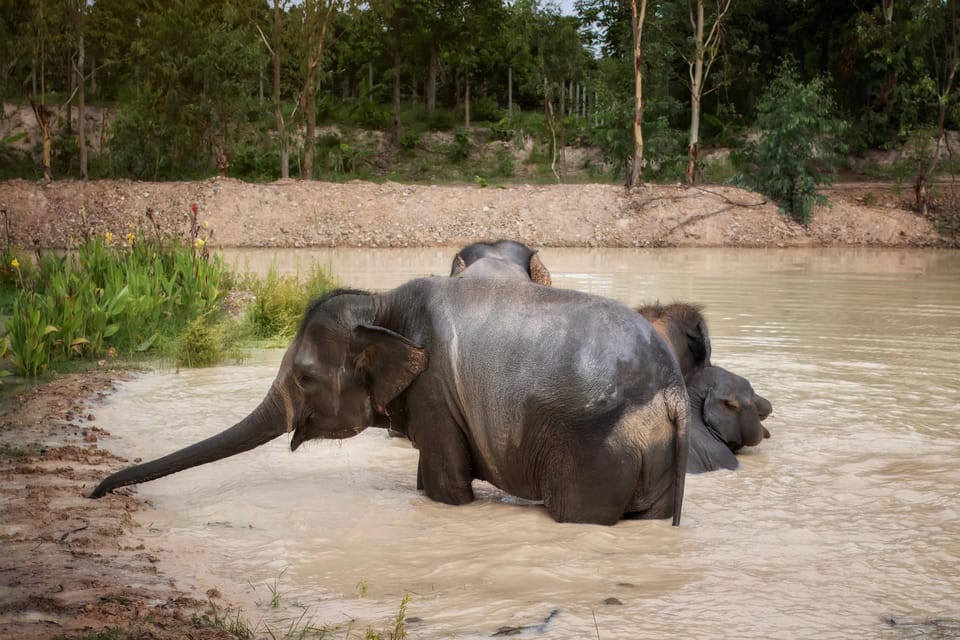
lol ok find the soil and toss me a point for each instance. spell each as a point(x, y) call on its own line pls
point(72, 566)
point(293, 213)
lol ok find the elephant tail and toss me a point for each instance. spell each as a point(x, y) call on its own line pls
point(678, 408)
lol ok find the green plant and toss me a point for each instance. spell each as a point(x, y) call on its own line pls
point(798, 145)
point(201, 345)
point(282, 299)
point(111, 297)
point(460, 149)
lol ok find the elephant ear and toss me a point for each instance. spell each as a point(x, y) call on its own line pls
point(539, 272)
point(388, 361)
point(698, 341)
point(716, 419)
point(459, 264)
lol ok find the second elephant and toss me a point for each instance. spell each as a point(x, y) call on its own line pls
point(725, 416)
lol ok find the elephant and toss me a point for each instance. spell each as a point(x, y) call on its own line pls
point(500, 259)
point(551, 395)
point(683, 327)
point(725, 415)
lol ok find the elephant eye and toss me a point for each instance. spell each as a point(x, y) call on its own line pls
point(733, 405)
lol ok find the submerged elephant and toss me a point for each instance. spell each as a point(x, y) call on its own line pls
point(500, 259)
point(725, 416)
point(725, 411)
point(548, 394)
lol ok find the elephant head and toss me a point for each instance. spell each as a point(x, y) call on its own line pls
point(335, 380)
point(500, 259)
point(726, 415)
point(683, 327)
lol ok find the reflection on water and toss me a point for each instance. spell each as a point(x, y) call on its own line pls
point(845, 519)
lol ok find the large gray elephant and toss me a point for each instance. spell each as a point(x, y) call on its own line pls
point(725, 416)
point(500, 259)
point(549, 394)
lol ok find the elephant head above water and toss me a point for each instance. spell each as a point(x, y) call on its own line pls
point(725, 416)
point(500, 259)
point(683, 327)
point(546, 393)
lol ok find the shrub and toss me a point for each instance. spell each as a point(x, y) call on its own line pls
point(798, 145)
point(109, 298)
point(282, 299)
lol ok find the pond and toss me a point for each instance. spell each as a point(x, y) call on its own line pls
point(846, 518)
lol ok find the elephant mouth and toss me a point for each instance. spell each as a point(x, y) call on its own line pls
point(316, 432)
point(733, 446)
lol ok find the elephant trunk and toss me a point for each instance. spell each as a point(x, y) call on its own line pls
point(269, 420)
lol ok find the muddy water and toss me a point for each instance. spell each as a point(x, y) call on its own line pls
point(848, 515)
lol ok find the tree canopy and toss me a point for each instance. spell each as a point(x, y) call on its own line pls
point(191, 82)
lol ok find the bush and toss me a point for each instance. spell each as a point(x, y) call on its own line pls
point(110, 297)
point(281, 301)
point(798, 145)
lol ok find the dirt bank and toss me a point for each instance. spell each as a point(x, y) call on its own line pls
point(70, 565)
point(364, 214)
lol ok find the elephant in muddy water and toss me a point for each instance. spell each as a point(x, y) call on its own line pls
point(725, 416)
point(549, 394)
point(500, 259)
point(725, 412)
point(684, 328)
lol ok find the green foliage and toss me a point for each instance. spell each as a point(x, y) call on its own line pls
point(109, 298)
point(460, 149)
point(282, 299)
point(798, 145)
point(201, 345)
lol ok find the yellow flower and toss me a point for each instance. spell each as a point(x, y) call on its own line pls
point(15, 263)
point(108, 237)
point(131, 239)
point(206, 224)
point(198, 243)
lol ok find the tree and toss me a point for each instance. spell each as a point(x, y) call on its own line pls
point(945, 52)
point(798, 143)
point(79, 9)
point(705, 50)
point(317, 18)
point(283, 140)
point(638, 14)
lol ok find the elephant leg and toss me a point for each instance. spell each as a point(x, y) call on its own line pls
point(592, 489)
point(444, 474)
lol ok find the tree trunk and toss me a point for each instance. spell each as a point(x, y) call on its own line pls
point(432, 78)
point(277, 109)
point(318, 22)
point(638, 15)
point(696, 93)
point(310, 116)
point(466, 101)
point(943, 100)
point(81, 100)
point(395, 132)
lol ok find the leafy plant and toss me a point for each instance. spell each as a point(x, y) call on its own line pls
point(798, 145)
point(282, 299)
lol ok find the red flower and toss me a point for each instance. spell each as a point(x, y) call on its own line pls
point(194, 208)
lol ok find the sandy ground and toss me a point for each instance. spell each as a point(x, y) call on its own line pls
point(364, 214)
point(71, 566)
